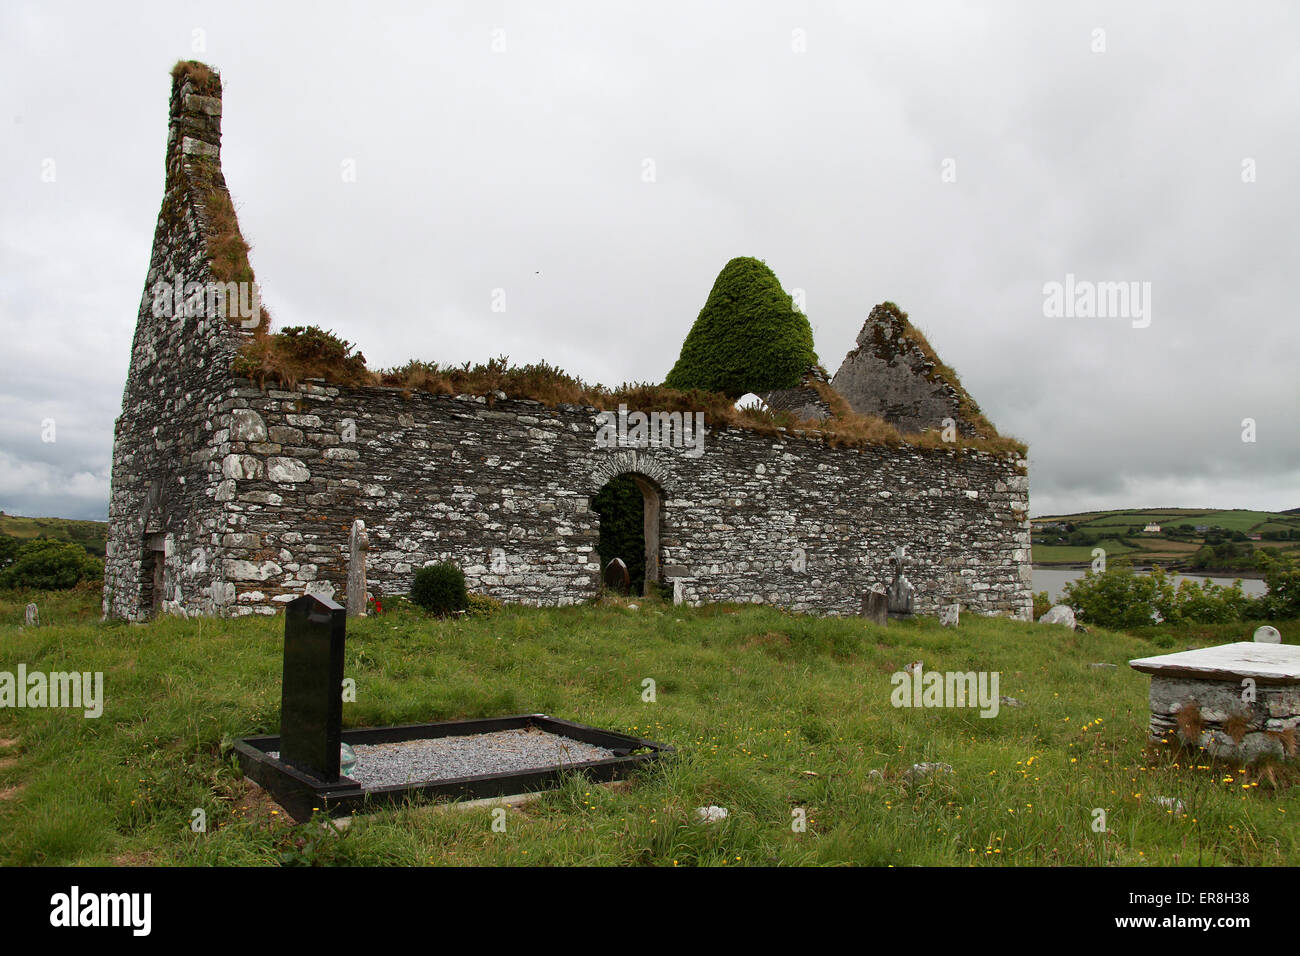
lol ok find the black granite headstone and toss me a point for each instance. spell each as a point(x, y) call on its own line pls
point(311, 701)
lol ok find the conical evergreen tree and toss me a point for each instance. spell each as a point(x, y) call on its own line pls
point(749, 337)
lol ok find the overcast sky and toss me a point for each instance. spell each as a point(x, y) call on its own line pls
point(605, 164)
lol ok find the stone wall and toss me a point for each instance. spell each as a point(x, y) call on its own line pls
point(503, 488)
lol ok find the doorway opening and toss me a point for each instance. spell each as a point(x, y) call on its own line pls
point(628, 506)
point(153, 567)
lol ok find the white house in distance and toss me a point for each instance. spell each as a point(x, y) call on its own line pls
point(1151, 528)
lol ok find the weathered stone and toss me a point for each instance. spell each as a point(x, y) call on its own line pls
point(358, 545)
point(286, 470)
point(949, 615)
point(1059, 614)
point(921, 771)
point(246, 425)
point(901, 592)
point(32, 616)
point(875, 606)
point(889, 375)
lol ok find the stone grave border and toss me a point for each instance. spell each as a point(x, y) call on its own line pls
point(302, 794)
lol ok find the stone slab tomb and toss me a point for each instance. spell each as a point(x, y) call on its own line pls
point(1239, 702)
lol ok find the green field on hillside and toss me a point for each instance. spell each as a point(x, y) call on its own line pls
point(89, 534)
point(771, 713)
point(1235, 520)
point(1122, 533)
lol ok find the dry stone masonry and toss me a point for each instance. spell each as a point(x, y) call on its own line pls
point(231, 499)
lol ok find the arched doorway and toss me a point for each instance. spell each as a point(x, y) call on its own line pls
point(628, 506)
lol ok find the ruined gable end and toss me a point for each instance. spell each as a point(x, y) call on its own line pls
point(198, 306)
point(893, 373)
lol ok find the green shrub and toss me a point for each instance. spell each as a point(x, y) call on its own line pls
point(1282, 576)
point(440, 588)
point(1121, 599)
point(1042, 604)
point(45, 565)
point(749, 337)
point(481, 605)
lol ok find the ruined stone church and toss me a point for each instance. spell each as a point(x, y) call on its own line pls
point(228, 498)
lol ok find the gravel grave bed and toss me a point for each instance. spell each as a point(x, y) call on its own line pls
point(443, 758)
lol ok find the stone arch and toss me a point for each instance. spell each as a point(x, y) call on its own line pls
point(654, 480)
point(630, 462)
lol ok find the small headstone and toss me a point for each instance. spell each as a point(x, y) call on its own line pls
point(949, 615)
point(616, 576)
point(875, 606)
point(1059, 614)
point(1010, 701)
point(358, 545)
point(311, 701)
point(1263, 635)
point(33, 618)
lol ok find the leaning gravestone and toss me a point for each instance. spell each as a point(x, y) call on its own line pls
point(616, 576)
point(875, 606)
point(311, 702)
point(33, 618)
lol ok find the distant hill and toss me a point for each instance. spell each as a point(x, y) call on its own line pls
point(91, 535)
point(1071, 538)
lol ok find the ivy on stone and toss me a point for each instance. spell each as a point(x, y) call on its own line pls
point(749, 337)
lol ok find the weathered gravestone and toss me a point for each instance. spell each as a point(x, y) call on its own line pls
point(311, 701)
point(616, 576)
point(901, 592)
point(875, 606)
point(33, 618)
point(1268, 635)
point(358, 545)
point(949, 615)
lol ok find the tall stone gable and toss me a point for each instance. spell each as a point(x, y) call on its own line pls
point(162, 512)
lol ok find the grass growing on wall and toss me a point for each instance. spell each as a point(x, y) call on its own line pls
point(770, 712)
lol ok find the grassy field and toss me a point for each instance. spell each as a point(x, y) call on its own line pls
point(771, 712)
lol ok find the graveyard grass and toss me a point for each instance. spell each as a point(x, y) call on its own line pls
point(770, 712)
